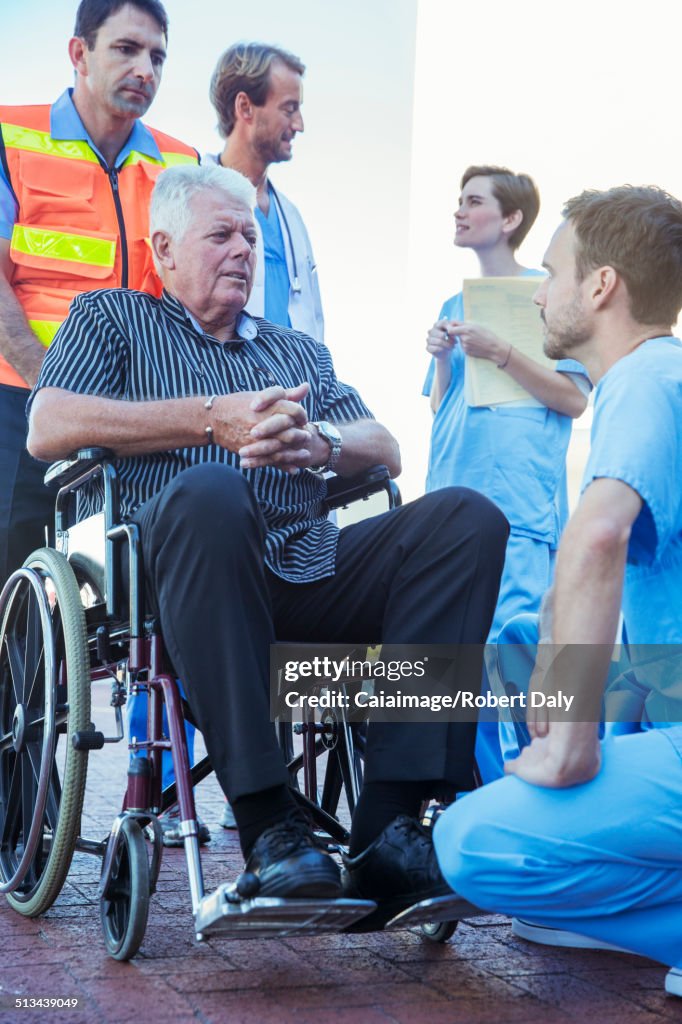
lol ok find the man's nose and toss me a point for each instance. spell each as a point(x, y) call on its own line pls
point(144, 69)
point(540, 294)
point(241, 246)
point(297, 122)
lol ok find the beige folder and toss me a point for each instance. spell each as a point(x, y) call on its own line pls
point(503, 305)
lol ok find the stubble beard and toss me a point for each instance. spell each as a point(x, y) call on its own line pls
point(136, 107)
point(571, 332)
point(270, 150)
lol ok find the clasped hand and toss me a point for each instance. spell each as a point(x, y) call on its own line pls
point(475, 340)
point(266, 428)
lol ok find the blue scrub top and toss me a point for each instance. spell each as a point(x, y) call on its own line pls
point(637, 438)
point(276, 270)
point(515, 455)
point(65, 123)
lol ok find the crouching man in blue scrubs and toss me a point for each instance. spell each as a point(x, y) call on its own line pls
point(586, 835)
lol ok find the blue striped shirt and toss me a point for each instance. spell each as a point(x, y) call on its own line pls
point(131, 346)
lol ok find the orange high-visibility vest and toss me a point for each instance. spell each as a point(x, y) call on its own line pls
point(80, 226)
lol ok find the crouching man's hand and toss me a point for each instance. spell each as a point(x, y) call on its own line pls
point(566, 755)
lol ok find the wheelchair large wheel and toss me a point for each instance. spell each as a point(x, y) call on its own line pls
point(124, 907)
point(44, 699)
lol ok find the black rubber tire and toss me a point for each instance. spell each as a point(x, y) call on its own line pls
point(439, 931)
point(124, 908)
point(62, 815)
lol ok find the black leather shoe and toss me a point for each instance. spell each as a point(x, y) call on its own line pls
point(398, 870)
point(288, 863)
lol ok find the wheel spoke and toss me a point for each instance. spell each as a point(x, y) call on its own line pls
point(6, 742)
point(38, 676)
point(13, 804)
point(36, 661)
point(54, 797)
point(33, 752)
point(32, 620)
point(15, 658)
point(28, 792)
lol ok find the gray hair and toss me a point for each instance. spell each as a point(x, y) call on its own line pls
point(175, 187)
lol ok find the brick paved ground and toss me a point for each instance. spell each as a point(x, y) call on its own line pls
point(482, 976)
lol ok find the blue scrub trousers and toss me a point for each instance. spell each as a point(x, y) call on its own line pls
point(527, 575)
point(137, 726)
point(603, 859)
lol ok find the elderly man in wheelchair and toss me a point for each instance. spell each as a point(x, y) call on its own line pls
point(222, 428)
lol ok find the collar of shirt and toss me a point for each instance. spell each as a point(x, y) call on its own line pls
point(246, 327)
point(65, 123)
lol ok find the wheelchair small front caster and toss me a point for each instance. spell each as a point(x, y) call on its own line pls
point(439, 931)
point(124, 907)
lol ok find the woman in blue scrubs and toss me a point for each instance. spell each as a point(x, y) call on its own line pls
point(515, 454)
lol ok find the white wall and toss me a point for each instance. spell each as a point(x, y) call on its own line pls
point(578, 94)
point(400, 96)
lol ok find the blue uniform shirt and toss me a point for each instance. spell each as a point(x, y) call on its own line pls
point(276, 270)
point(513, 454)
point(65, 123)
point(637, 438)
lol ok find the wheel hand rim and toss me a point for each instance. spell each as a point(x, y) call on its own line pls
point(35, 832)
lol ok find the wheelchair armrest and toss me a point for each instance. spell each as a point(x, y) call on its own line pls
point(62, 473)
point(343, 490)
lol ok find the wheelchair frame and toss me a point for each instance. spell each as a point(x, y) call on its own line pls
point(51, 649)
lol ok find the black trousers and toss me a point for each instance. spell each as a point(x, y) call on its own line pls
point(425, 573)
point(26, 505)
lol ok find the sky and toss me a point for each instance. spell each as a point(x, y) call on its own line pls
point(400, 97)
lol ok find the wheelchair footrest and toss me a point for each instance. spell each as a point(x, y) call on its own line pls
point(219, 914)
point(441, 908)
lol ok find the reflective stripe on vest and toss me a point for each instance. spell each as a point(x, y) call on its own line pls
point(45, 330)
point(167, 159)
point(34, 141)
point(60, 245)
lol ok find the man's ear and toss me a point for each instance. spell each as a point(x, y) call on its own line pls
point(243, 107)
point(604, 284)
point(511, 222)
point(77, 54)
point(163, 249)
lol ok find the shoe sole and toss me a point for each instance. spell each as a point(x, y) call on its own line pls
point(673, 982)
point(543, 935)
point(387, 910)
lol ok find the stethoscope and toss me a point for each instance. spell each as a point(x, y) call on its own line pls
point(296, 284)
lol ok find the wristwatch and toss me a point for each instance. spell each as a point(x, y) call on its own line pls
point(329, 433)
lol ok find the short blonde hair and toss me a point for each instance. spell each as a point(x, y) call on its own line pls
point(245, 67)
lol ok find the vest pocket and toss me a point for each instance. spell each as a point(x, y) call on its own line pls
point(57, 188)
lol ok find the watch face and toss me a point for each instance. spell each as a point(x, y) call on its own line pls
point(329, 431)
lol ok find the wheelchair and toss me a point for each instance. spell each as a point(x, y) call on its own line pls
point(64, 623)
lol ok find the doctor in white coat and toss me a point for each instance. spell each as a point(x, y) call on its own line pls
point(256, 90)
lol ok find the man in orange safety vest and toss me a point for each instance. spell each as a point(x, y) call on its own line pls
point(75, 181)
